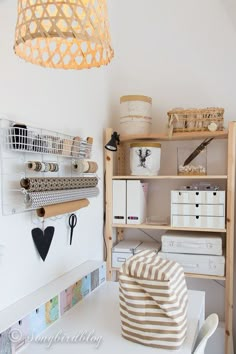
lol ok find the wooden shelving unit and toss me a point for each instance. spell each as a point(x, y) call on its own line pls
point(229, 179)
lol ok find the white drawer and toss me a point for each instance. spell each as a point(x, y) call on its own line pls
point(198, 264)
point(198, 209)
point(177, 242)
point(198, 197)
point(208, 222)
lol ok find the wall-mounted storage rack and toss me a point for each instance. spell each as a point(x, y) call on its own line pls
point(21, 144)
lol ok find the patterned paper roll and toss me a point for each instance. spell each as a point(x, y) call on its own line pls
point(43, 184)
point(40, 199)
point(62, 208)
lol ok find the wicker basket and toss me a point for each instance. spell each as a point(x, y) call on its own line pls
point(190, 120)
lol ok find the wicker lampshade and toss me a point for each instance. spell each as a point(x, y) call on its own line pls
point(66, 34)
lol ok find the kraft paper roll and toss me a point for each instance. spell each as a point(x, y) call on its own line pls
point(43, 184)
point(40, 199)
point(93, 167)
point(62, 208)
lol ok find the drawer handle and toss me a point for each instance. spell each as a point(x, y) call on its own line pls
point(197, 193)
point(197, 217)
point(180, 193)
point(197, 205)
point(214, 193)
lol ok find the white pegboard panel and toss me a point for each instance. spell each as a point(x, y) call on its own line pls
point(21, 144)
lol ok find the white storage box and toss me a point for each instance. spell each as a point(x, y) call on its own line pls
point(198, 209)
point(155, 246)
point(135, 114)
point(191, 242)
point(123, 251)
point(145, 158)
point(205, 222)
point(198, 264)
point(198, 197)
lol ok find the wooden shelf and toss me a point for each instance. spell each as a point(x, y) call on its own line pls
point(177, 136)
point(190, 275)
point(204, 276)
point(164, 227)
point(208, 177)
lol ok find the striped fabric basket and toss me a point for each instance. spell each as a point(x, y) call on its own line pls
point(153, 301)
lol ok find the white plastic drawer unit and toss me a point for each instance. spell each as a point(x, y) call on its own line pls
point(199, 209)
point(198, 197)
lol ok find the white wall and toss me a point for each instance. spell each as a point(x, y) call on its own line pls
point(182, 53)
point(72, 102)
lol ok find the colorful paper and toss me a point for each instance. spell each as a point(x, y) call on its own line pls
point(37, 320)
point(86, 285)
point(52, 310)
point(66, 299)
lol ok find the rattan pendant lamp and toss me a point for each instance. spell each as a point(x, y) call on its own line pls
point(66, 34)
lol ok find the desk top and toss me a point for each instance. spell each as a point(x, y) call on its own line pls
point(95, 322)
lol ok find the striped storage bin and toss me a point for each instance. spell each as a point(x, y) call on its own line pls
point(153, 301)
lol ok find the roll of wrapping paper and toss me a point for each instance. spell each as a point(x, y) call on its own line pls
point(41, 166)
point(62, 208)
point(39, 199)
point(93, 167)
point(43, 184)
point(85, 166)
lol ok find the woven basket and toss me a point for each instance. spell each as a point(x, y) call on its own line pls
point(72, 34)
point(190, 120)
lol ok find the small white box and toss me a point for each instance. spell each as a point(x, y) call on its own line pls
point(198, 264)
point(123, 251)
point(136, 202)
point(198, 209)
point(205, 222)
point(154, 246)
point(191, 242)
point(119, 202)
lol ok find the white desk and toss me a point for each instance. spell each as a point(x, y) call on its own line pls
point(99, 311)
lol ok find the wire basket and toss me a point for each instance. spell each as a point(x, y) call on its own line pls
point(191, 120)
point(37, 141)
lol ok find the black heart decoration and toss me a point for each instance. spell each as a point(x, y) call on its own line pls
point(42, 240)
